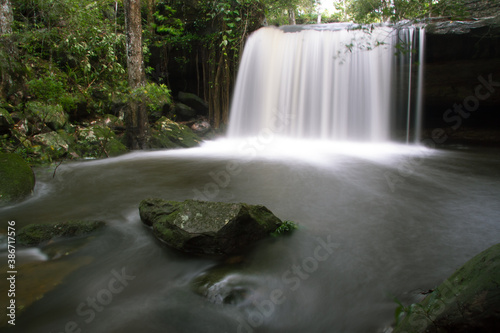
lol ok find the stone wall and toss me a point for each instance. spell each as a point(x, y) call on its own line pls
point(460, 56)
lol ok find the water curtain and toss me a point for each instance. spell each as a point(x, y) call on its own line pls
point(331, 82)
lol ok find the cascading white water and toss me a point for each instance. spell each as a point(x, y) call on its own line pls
point(321, 84)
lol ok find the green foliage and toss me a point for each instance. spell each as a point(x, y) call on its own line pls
point(279, 11)
point(76, 35)
point(286, 227)
point(370, 11)
point(48, 88)
point(166, 23)
point(401, 311)
point(154, 95)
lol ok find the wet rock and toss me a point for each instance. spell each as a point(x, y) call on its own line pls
point(34, 234)
point(223, 285)
point(100, 139)
point(169, 134)
point(194, 102)
point(51, 115)
point(208, 228)
point(201, 127)
point(468, 301)
point(17, 180)
point(183, 111)
point(6, 121)
point(114, 147)
point(39, 278)
point(52, 139)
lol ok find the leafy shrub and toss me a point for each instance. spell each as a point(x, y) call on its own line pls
point(47, 88)
point(154, 95)
point(286, 227)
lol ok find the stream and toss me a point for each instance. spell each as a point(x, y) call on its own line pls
point(377, 222)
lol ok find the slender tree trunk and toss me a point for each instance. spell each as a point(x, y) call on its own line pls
point(137, 119)
point(8, 50)
point(291, 16)
point(6, 17)
point(150, 4)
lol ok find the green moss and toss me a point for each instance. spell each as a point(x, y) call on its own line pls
point(17, 180)
point(35, 234)
point(114, 147)
point(51, 115)
point(169, 134)
point(465, 302)
point(5, 118)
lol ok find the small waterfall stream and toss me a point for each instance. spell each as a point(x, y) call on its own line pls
point(329, 84)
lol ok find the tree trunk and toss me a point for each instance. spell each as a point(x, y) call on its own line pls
point(137, 118)
point(6, 17)
point(291, 16)
point(8, 51)
point(150, 4)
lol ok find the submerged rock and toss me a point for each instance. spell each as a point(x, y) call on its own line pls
point(17, 180)
point(224, 285)
point(468, 301)
point(39, 278)
point(34, 234)
point(208, 228)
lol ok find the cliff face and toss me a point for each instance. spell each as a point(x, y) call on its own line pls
point(462, 77)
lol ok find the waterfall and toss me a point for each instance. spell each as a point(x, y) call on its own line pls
point(327, 82)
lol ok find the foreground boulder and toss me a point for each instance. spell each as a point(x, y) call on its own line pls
point(208, 228)
point(468, 301)
point(17, 180)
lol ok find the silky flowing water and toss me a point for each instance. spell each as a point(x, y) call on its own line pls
point(378, 221)
point(384, 239)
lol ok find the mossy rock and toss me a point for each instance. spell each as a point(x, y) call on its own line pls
point(115, 147)
point(208, 228)
point(193, 101)
point(468, 301)
point(54, 140)
point(52, 115)
point(17, 180)
point(98, 140)
point(34, 234)
point(169, 134)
